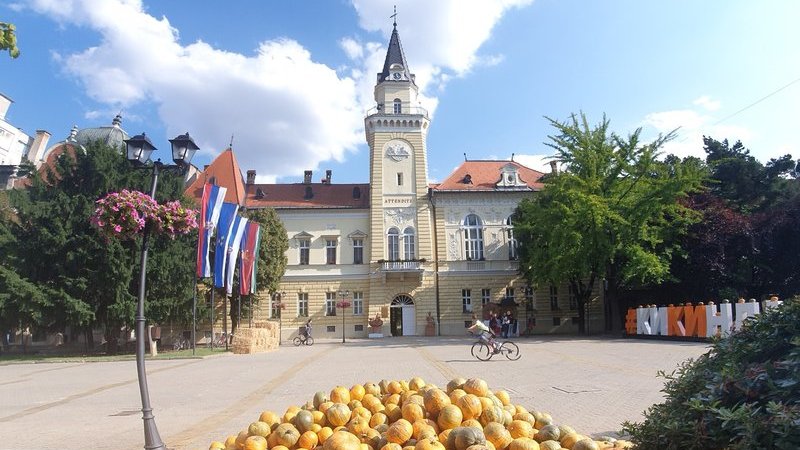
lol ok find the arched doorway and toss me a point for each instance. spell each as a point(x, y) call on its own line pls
point(402, 316)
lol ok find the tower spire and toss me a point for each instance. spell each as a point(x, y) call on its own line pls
point(394, 16)
point(395, 58)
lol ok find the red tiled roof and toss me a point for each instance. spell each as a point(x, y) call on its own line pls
point(49, 164)
point(293, 195)
point(226, 173)
point(485, 175)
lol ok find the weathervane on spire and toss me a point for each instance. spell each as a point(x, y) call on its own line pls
point(394, 16)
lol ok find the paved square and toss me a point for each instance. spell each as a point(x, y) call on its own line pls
point(592, 384)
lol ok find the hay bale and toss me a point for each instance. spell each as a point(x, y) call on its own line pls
point(255, 340)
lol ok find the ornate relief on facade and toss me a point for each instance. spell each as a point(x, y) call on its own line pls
point(399, 216)
point(452, 246)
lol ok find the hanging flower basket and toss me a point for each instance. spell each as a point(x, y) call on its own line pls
point(123, 215)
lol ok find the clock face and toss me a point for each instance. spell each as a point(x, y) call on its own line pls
point(397, 150)
point(396, 75)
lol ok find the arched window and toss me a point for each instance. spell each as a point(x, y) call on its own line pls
point(393, 241)
point(473, 237)
point(513, 254)
point(398, 106)
point(408, 244)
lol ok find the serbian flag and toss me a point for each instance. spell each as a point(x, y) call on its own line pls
point(248, 259)
point(234, 242)
point(224, 228)
point(211, 204)
point(255, 262)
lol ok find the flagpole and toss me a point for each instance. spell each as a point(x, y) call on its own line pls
point(212, 314)
point(194, 317)
point(225, 314)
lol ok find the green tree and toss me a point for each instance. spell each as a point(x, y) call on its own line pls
point(612, 214)
point(8, 39)
point(71, 276)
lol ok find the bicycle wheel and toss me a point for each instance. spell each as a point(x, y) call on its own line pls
point(511, 350)
point(481, 351)
point(297, 341)
point(309, 340)
point(177, 346)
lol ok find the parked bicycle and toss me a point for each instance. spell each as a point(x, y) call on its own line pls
point(181, 344)
point(219, 340)
point(484, 349)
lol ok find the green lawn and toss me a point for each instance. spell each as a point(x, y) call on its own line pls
point(18, 358)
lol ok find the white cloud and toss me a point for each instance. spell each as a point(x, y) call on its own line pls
point(538, 162)
point(706, 102)
point(287, 112)
point(691, 127)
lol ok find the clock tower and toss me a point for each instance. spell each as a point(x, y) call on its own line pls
point(400, 216)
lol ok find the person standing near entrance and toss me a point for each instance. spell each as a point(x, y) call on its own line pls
point(505, 324)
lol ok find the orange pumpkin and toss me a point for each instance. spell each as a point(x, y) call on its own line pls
point(586, 444)
point(523, 444)
point(470, 406)
point(412, 412)
point(526, 416)
point(277, 447)
point(569, 440)
point(271, 418)
point(503, 397)
point(372, 388)
point(393, 412)
point(400, 431)
point(360, 411)
point(338, 414)
point(377, 419)
point(520, 429)
point(358, 425)
point(290, 413)
point(255, 443)
point(472, 423)
point(391, 399)
point(416, 383)
point(370, 437)
point(455, 383)
point(392, 446)
point(324, 434)
point(342, 440)
point(476, 386)
point(340, 394)
point(492, 414)
point(456, 394)
point(240, 438)
point(357, 392)
point(353, 404)
point(286, 434)
point(435, 400)
point(449, 417)
point(542, 419)
point(429, 444)
point(498, 435)
point(550, 445)
point(308, 440)
point(323, 407)
point(319, 418)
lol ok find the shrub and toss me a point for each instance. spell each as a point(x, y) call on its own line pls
point(743, 393)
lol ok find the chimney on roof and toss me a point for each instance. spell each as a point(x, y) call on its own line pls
point(327, 179)
point(38, 147)
point(554, 167)
point(307, 177)
point(251, 177)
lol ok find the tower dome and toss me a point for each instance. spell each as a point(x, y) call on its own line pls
point(113, 135)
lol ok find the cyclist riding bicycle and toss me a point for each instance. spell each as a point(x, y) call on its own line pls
point(484, 333)
point(307, 330)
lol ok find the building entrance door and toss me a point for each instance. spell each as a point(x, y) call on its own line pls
point(402, 316)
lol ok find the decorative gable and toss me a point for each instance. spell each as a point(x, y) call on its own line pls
point(510, 179)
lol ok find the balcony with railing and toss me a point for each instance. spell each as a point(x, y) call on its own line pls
point(389, 110)
point(482, 266)
point(411, 265)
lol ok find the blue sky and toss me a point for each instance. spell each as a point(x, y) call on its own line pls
point(291, 80)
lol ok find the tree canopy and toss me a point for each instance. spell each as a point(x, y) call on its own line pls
point(8, 39)
point(612, 213)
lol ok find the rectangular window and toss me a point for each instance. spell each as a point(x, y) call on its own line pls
point(305, 245)
point(466, 300)
point(398, 107)
point(358, 251)
point(399, 178)
point(510, 293)
point(529, 298)
point(486, 296)
point(359, 328)
point(330, 303)
point(553, 298)
point(358, 303)
point(302, 305)
point(331, 328)
point(573, 299)
point(556, 321)
point(330, 251)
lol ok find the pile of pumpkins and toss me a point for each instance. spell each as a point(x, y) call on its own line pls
point(411, 415)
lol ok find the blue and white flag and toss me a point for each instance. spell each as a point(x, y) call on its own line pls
point(210, 206)
point(235, 240)
point(224, 228)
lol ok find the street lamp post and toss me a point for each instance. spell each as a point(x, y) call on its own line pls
point(343, 303)
point(138, 151)
point(279, 306)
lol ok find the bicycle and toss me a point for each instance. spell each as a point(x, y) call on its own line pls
point(484, 350)
point(219, 340)
point(181, 344)
point(303, 339)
